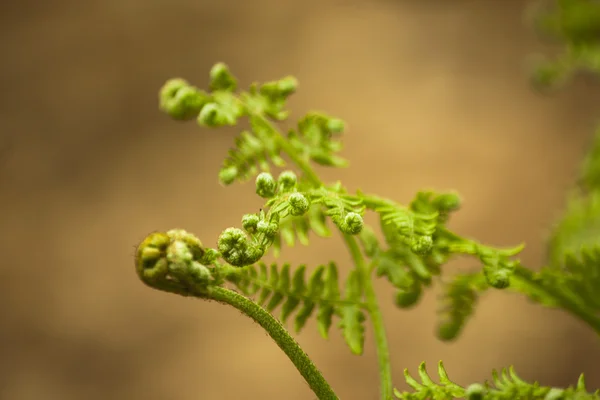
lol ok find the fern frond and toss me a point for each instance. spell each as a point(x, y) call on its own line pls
point(458, 302)
point(315, 138)
point(574, 252)
point(573, 270)
point(419, 244)
point(251, 154)
point(506, 385)
point(274, 287)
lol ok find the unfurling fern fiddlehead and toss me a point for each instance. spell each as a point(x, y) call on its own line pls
point(417, 242)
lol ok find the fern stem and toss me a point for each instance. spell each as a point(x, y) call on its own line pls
point(527, 278)
point(281, 336)
point(381, 343)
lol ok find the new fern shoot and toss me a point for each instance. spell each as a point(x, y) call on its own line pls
point(416, 244)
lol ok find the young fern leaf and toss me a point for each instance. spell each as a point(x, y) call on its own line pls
point(504, 386)
point(251, 149)
point(418, 244)
point(256, 147)
point(276, 286)
point(315, 139)
point(458, 303)
point(352, 316)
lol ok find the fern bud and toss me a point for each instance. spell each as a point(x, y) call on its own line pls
point(227, 175)
point(209, 257)
point(281, 88)
point(421, 244)
point(181, 101)
point(475, 391)
point(174, 255)
point(265, 185)
point(447, 202)
point(408, 297)
point(221, 78)
point(213, 115)
point(235, 248)
point(250, 222)
point(269, 229)
point(498, 278)
point(299, 204)
point(353, 224)
point(287, 181)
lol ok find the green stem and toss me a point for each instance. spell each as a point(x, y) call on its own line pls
point(280, 335)
point(381, 344)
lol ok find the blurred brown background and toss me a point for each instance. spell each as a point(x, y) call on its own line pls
point(435, 95)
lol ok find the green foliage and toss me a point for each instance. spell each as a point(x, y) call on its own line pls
point(504, 386)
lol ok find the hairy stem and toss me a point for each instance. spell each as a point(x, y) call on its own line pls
point(381, 344)
point(280, 335)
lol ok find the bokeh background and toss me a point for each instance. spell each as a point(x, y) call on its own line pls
point(435, 94)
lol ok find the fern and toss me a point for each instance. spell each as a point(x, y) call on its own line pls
point(505, 385)
point(416, 244)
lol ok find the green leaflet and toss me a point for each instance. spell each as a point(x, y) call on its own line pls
point(278, 286)
point(352, 316)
